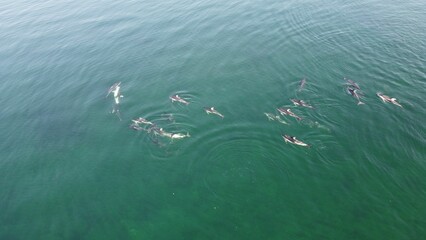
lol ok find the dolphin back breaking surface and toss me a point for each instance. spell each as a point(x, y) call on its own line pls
point(293, 140)
point(387, 99)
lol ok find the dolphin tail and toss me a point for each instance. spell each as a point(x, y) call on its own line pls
point(393, 100)
point(282, 121)
point(397, 104)
point(360, 103)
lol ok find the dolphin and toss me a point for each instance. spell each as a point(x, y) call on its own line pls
point(388, 99)
point(352, 83)
point(293, 140)
point(213, 111)
point(176, 98)
point(302, 84)
point(143, 121)
point(136, 127)
point(287, 111)
point(113, 87)
point(168, 116)
point(154, 129)
point(273, 117)
point(353, 92)
point(117, 95)
point(302, 103)
point(179, 135)
point(277, 117)
point(163, 133)
point(270, 116)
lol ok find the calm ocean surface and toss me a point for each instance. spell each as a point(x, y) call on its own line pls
point(71, 169)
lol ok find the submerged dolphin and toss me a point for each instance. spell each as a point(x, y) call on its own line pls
point(287, 111)
point(302, 103)
point(354, 94)
point(270, 116)
point(302, 84)
point(277, 117)
point(388, 99)
point(273, 117)
point(211, 110)
point(136, 127)
point(176, 98)
point(143, 121)
point(293, 140)
point(168, 116)
point(115, 89)
point(352, 83)
point(154, 129)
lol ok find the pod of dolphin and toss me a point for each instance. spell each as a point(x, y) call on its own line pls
point(141, 123)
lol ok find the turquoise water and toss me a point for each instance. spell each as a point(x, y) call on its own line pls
point(70, 169)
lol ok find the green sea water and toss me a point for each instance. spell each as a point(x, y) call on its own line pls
point(72, 169)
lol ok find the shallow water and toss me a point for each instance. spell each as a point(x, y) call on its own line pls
point(70, 169)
